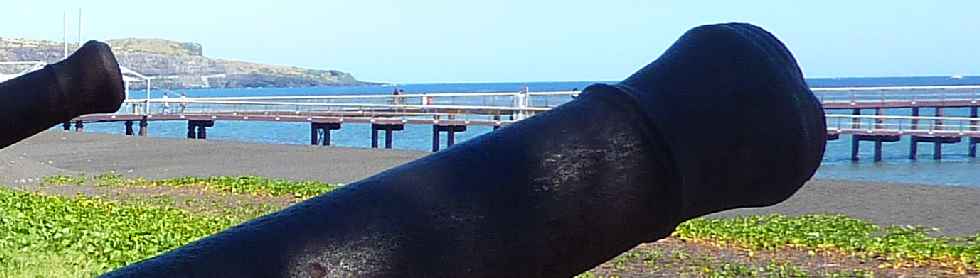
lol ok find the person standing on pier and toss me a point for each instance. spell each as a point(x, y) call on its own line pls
point(166, 103)
point(183, 102)
point(396, 100)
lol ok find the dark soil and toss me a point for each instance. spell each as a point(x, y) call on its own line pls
point(673, 257)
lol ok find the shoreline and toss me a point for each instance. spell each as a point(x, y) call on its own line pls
point(952, 209)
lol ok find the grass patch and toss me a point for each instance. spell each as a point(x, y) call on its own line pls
point(772, 269)
point(899, 246)
point(64, 237)
point(83, 236)
point(251, 185)
point(679, 263)
point(204, 206)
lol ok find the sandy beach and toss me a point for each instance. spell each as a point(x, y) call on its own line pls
point(953, 210)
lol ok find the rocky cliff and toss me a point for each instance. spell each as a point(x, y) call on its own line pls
point(183, 65)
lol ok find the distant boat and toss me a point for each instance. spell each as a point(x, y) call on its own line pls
point(957, 77)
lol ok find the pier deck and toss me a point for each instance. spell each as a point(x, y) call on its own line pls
point(450, 113)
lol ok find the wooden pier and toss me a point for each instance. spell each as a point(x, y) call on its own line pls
point(452, 113)
point(879, 129)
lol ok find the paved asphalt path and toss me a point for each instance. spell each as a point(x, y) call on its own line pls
point(955, 210)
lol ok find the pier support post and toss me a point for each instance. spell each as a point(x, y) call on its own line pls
point(79, 126)
point(973, 127)
point(388, 140)
point(144, 125)
point(327, 128)
point(451, 138)
point(191, 130)
point(325, 140)
point(129, 128)
point(915, 122)
point(938, 141)
point(202, 129)
point(198, 129)
point(435, 138)
point(316, 129)
point(314, 135)
point(855, 147)
point(450, 130)
point(914, 148)
point(973, 146)
point(202, 132)
point(877, 139)
point(877, 150)
point(389, 131)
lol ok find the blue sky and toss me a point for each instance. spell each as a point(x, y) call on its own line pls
point(510, 40)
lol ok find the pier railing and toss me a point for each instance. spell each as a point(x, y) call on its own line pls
point(465, 105)
point(453, 112)
point(519, 105)
point(523, 104)
point(898, 96)
point(903, 125)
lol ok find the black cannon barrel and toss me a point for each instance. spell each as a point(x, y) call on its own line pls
point(87, 82)
point(723, 119)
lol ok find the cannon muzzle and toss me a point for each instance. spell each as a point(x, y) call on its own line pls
point(88, 81)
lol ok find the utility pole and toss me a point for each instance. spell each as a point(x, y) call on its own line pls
point(65, 40)
point(79, 27)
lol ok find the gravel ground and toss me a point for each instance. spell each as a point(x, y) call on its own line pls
point(954, 210)
point(156, 158)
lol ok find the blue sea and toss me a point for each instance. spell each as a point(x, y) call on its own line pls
point(956, 168)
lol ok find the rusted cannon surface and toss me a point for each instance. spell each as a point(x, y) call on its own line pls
point(722, 120)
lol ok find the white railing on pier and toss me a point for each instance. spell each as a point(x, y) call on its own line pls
point(903, 125)
point(910, 94)
point(518, 105)
point(492, 104)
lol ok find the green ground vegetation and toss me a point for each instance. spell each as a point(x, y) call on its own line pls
point(46, 236)
point(79, 236)
point(899, 246)
point(251, 185)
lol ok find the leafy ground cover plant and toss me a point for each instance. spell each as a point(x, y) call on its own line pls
point(86, 236)
point(899, 246)
point(253, 185)
point(72, 236)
